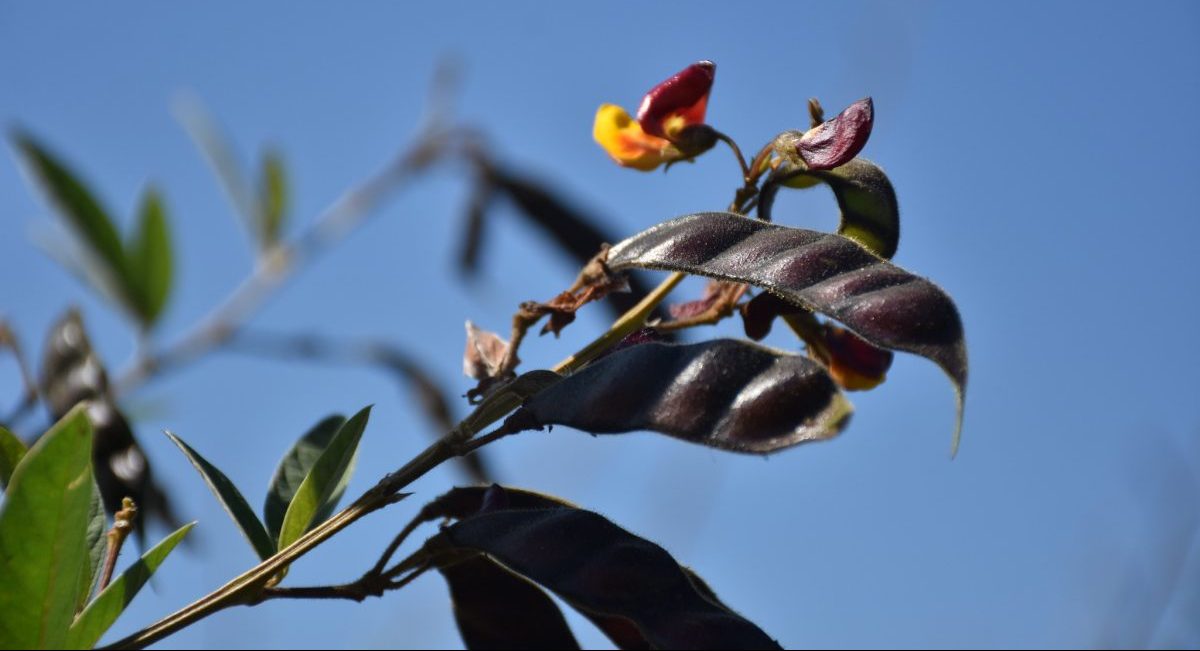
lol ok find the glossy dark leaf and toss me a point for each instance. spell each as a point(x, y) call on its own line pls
point(604, 571)
point(325, 482)
point(293, 468)
point(80, 208)
point(12, 449)
point(72, 372)
point(231, 500)
point(465, 501)
point(870, 213)
point(496, 609)
point(104, 610)
point(43, 526)
point(150, 260)
point(727, 394)
point(829, 274)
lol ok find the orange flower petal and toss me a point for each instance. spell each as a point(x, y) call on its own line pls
point(625, 141)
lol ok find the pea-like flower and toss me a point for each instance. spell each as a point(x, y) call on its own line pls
point(669, 126)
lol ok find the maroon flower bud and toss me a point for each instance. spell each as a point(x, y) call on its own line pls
point(835, 142)
point(854, 363)
point(677, 102)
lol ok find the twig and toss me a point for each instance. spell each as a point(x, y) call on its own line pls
point(122, 526)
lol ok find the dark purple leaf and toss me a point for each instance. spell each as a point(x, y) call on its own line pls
point(574, 231)
point(834, 142)
point(464, 502)
point(607, 572)
point(880, 302)
point(726, 394)
point(870, 213)
point(496, 609)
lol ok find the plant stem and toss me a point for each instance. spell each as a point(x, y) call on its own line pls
point(247, 588)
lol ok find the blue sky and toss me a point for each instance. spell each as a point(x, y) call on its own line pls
point(1044, 157)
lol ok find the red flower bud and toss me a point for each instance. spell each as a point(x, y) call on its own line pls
point(684, 95)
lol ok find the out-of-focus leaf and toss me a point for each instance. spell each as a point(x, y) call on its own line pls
point(292, 470)
point(870, 212)
point(149, 259)
point(273, 197)
point(72, 372)
point(428, 392)
point(214, 145)
point(12, 449)
point(43, 524)
point(885, 305)
point(96, 544)
point(475, 226)
point(104, 610)
point(326, 480)
point(606, 572)
point(9, 341)
point(231, 499)
point(496, 609)
point(725, 393)
point(579, 235)
point(82, 211)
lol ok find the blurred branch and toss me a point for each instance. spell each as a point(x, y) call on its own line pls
point(432, 397)
point(281, 262)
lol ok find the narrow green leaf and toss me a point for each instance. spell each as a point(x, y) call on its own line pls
point(325, 480)
point(11, 452)
point(43, 522)
point(294, 467)
point(273, 199)
point(149, 258)
point(216, 148)
point(230, 498)
point(80, 208)
point(96, 544)
point(91, 624)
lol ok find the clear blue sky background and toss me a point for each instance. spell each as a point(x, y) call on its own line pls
point(1045, 159)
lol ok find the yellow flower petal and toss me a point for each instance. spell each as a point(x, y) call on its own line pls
point(625, 141)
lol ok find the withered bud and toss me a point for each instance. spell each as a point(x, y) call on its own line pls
point(836, 142)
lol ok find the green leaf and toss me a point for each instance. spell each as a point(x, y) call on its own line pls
point(149, 259)
point(230, 498)
point(11, 452)
point(96, 543)
point(91, 624)
point(870, 213)
point(273, 199)
point(294, 467)
point(83, 212)
point(325, 481)
point(43, 522)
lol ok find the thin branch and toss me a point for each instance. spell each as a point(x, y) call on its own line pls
point(122, 526)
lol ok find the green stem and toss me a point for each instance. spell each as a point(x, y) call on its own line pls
point(247, 588)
